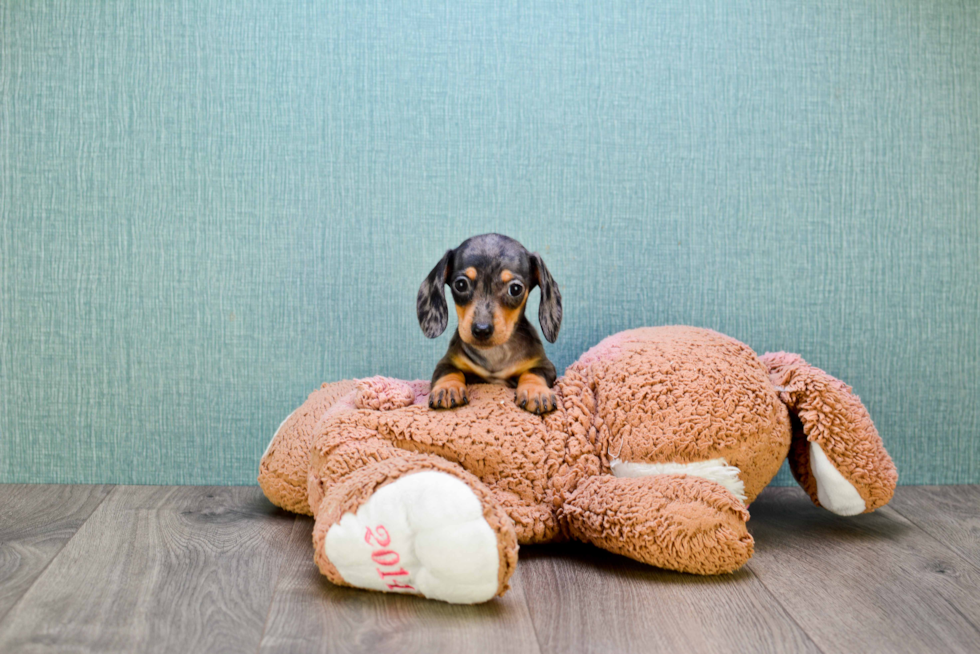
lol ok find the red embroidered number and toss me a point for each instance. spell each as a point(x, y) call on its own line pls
point(386, 558)
point(382, 532)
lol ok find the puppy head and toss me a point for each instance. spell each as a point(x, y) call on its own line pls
point(490, 277)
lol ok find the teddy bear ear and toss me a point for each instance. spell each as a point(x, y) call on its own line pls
point(430, 305)
point(549, 311)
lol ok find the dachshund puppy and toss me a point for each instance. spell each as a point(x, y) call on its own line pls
point(490, 277)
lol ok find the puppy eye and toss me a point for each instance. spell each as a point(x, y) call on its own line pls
point(461, 285)
point(515, 290)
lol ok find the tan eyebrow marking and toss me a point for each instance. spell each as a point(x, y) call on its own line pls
point(470, 272)
point(506, 276)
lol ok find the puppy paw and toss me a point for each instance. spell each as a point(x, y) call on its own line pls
point(536, 397)
point(448, 393)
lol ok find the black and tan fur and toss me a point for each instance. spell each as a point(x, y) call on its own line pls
point(490, 277)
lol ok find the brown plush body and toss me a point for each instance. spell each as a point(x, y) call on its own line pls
point(661, 438)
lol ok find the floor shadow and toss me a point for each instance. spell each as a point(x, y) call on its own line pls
point(788, 513)
point(621, 567)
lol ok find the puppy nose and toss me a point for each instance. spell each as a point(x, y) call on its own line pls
point(481, 330)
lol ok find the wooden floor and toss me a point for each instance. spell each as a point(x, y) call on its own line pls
point(217, 569)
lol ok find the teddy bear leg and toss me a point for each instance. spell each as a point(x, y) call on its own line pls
point(836, 453)
point(675, 521)
point(417, 524)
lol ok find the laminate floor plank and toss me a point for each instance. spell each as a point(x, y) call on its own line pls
point(309, 614)
point(583, 599)
point(35, 523)
point(185, 569)
point(869, 583)
point(951, 514)
point(175, 569)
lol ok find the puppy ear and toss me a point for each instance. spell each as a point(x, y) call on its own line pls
point(431, 302)
point(549, 311)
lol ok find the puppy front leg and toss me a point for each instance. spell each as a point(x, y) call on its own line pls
point(534, 392)
point(448, 389)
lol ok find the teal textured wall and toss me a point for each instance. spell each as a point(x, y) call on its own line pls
point(207, 208)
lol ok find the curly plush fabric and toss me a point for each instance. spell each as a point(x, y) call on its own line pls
point(384, 393)
point(285, 464)
point(685, 523)
point(685, 416)
point(830, 414)
point(685, 395)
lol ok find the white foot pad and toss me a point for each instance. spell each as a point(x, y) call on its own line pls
point(835, 493)
point(424, 534)
point(716, 470)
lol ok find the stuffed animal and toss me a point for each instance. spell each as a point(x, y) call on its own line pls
point(661, 440)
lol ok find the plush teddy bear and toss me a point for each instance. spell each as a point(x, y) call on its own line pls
point(661, 439)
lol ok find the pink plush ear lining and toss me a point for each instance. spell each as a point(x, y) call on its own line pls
point(831, 415)
point(383, 393)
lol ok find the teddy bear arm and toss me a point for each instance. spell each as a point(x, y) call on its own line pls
point(417, 524)
point(285, 462)
point(678, 522)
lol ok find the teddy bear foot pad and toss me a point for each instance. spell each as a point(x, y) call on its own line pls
point(835, 493)
point(422, 534)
